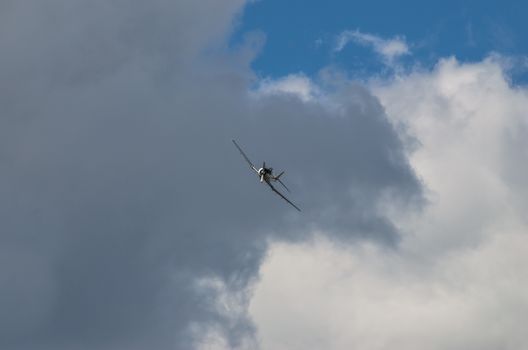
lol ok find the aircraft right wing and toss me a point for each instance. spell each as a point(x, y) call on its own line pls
point(245, 157)
point(280, 194)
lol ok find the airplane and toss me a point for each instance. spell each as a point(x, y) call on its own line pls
point(266, 175)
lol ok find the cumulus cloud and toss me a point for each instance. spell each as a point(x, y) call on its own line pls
point(388, 49)
point(128, 219)
point(457, 278)
point(365, 297)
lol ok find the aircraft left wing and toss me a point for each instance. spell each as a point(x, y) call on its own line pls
point(245, 157)
point(283, 197)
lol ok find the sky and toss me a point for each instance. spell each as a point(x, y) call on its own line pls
point(128, 220)
point(301, 36)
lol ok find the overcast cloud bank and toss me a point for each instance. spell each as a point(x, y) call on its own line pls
point(128, 218)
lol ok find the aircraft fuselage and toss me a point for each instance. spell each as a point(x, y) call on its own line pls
point(266, 174)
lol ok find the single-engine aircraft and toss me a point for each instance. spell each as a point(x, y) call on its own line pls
point(266, 175)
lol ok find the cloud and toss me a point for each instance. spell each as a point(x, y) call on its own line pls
point(388, 49)
point(459, 267)
point(362, 296)
point(128, 219)
point(295, 84)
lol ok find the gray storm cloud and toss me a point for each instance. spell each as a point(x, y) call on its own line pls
point(121, 191)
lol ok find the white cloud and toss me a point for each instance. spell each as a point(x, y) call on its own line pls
point(294, 84)
point(458, 279)
point(319, 296)
point(470, 124)
point(388, 49)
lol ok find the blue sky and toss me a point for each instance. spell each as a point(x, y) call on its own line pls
point(300, 35)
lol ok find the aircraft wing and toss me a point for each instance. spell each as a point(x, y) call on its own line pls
point(282, 183)
point(245, 157)
point(280, 194)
